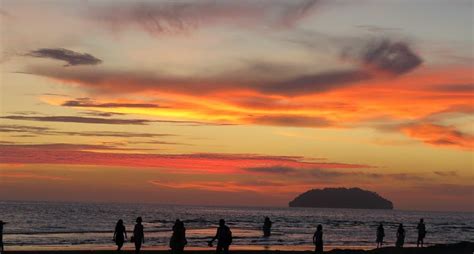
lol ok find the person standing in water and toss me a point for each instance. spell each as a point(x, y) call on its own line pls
point(380, 235)
point(400, 236)
point(224, 238)
point(421, 233)
point(138, 235)
point(318, 239)
point(267, 227)
point(178, 239)
point(120, 234)
point(1, 235)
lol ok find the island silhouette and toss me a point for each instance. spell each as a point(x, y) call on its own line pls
point(355, 198)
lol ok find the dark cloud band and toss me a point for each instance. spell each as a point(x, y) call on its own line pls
point(86, 102)
point(72, 58)
point(78, 119)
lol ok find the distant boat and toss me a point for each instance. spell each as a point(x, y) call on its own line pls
point(355, 198)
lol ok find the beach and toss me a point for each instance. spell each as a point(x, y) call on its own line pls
point(89, 226)
point(458, 248)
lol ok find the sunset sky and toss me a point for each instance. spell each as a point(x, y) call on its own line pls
point(247, 103)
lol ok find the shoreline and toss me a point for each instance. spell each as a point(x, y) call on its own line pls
point(454, 248)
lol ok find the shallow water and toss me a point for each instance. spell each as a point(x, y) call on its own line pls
point(40, 225)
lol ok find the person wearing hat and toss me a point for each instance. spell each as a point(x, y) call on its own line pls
point(138, 235)
point(1, 235)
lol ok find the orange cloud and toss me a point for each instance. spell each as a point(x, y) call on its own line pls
point(439, 135)
point(175, 163)
point(409, 97)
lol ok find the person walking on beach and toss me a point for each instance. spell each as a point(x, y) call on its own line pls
point(267, 227)
point(421, 233)
point(318, 239)
point(224, 238)
point(1, 235)
point(120, 234)
point(400, 236)
point(380, 235)
point(138, 236)
point(178, 239)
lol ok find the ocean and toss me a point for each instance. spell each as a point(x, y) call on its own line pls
point(64, 225)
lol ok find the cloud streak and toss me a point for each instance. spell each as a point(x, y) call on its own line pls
point(78, 119)
point(36, 130)
point(224, 186)
point(317, 83)
point(31, 176)
point(172, 17)
point(174, 163)
point(440, 135)
point(89, 103)
point(72, 58)
point(330, 174)
point(372, 61)
point(289, 120)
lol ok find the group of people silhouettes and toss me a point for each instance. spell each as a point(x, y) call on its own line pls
point(138, 237)
point(224, 236)
point(178, 238)
point(401, 235)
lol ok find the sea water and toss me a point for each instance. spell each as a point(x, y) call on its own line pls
point(57, 225)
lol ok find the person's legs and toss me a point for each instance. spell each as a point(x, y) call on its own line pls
point(226, 249)
point(120, 245)
point(138, 246)
point(317, 249)
point(218, 249)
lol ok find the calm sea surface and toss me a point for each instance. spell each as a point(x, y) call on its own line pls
point(43, 225)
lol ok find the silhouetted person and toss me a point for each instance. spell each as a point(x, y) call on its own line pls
point(224, 238)
point(178, 239)
point(267, 227)
point(421, 233)
point(318, 239)
point(138, 235)
point(380, 235)
point(400, 236)
point(1, 235)
point(120, 234)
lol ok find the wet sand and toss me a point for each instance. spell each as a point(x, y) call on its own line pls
point(458, 248)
